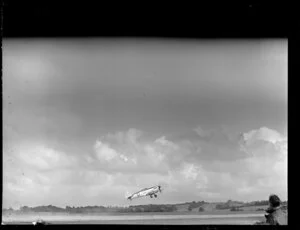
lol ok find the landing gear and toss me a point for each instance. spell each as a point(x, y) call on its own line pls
point(151, 197)
point(155, 195)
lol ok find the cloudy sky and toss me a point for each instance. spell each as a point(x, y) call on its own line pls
point(86, 122)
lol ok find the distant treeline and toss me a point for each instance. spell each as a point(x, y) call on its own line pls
point(262, 202)
point(96, 209)
point(232, 205)
point(49, 208)
point(150, 208)
point(68, 209)
point(196, 205)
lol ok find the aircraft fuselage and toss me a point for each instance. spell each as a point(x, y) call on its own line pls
point(145, 192)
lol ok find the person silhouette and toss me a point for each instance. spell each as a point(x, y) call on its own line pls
point(275, 215)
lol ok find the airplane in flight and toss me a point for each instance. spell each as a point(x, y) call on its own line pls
point(146, 192)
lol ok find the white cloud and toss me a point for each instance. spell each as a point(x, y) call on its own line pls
point(264, 134)
point(268, 161)
point(164, 142)
point(124, 158)
point(133, 135)
point(104, 152)
point(154, 154)
point(181, 162)
point(89, 159)
point(43, 157)
point(201, 132)
point(127, 152)
point(189, 171)
point(127, 161)
point(257, 174)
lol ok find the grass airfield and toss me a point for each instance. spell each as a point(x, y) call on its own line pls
point(222, 217)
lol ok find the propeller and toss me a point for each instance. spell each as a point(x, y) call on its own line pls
point(159, 188)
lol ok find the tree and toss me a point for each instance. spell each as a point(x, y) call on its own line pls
point(25, 209)
point(236, 209)
point(201, 209)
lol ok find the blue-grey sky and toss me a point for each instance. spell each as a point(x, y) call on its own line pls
point(98, 118)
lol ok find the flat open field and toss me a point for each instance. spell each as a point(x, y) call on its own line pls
point(148, 218)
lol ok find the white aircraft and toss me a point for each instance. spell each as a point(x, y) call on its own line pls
point(146, 192)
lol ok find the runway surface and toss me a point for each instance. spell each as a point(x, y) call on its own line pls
point(136, 219)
